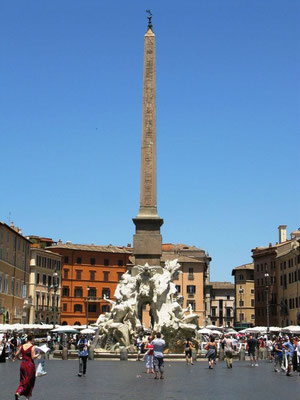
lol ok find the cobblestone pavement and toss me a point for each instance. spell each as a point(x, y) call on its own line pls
point(127, 380)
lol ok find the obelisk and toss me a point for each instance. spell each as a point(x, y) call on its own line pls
point(147, 241)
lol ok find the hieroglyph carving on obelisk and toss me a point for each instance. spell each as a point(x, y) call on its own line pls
point(148, 196)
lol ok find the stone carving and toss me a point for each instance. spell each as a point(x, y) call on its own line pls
point(151, 285)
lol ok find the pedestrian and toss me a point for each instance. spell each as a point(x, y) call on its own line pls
point(298, 355)
point(289, 348)
point(228, 350)
point(13, 347)
point(138, 344)
point(158, 355)
point(278, 355)
point(252, 344)
point(188, 345)
point(27, 368)
point(83, 352)
point(211, 354)
point(2, 349)
point(149, 356)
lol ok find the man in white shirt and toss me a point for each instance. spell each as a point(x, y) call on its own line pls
point(158, 353)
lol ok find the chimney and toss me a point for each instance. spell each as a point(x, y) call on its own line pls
point(59, 242)
point(282, 233)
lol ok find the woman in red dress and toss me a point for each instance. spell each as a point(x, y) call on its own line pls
point(27, 368)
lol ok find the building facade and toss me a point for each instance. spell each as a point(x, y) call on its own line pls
point(195, 264)
point(244, 315)
point(14, 275)
point(44, 286)
point(89, 275)
point(221, 297)
point(276, 281)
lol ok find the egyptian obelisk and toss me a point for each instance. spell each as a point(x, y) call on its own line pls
point(147, 241)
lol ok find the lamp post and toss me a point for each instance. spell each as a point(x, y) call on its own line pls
point(241, 291)
point(267, 296)
point(87, 307)
point(54, 286)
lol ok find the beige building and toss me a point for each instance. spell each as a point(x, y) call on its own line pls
point(44, 286)
point(288, 281)
point(14, 275)
point(220, 307)
point(244, 295)
point(195, 271)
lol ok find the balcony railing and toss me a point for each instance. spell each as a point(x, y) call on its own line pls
point(48, 308)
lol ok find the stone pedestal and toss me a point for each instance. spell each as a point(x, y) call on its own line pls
point(242, 355)
point(221, 354)
point(123, 354)
point(64, 353)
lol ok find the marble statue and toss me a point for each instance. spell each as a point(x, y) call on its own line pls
point(151, 285)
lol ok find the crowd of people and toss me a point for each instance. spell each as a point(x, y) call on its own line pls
point(283, 351)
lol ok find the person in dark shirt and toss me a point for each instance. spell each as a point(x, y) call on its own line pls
point(252, 346)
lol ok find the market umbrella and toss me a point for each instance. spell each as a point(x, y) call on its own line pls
point(65, 329)
point(87, 331)
point(204, 331)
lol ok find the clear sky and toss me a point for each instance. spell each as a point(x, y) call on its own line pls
point(228, 119)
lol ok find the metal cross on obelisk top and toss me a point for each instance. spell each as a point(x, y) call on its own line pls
point(147, 242)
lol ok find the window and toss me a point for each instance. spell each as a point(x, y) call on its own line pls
point(66, 273)
point(228, 312)
point(66, 291)
point(213, 312)
point(92, 275)
point(78, 274)
point(49, 280)
point(92, 292)
point(105, 293)
point(242, 317)
point(78, 292)
point(66, 260)
point(44, 279)
point(252, 316)
point(228, 297)
point(37, 278)
point(252, 291)
point(241, 277)
point(92, 308)
point(178, 288)
point(6, 284)
point(77, 308)
point(191, 274)
point(13, 286)
point(64, 306)
point(120, 263)
point(191, 289)
point(106, 261)
point(78, 260)
point(105, 276)
point(105, 308)
point(92, 261)
point(252, 302)
point(241, 303)
point(191, 303)
point(120, 275)
point(17, 289)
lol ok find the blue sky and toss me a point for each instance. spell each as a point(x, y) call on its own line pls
point(228, 121)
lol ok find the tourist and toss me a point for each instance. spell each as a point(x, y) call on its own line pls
point(211, 354)
point(252, 345)
point(289, 348)
point(149, 356)
point(228, 350)
point(278, 355)
point(13, 343)
point(138, 344)
point(188, 345)
point(2, 349)
point(27, 368)
point(158, 355)
point(234, 343)
point(83, 352)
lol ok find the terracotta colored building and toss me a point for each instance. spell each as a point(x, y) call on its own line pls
point(89, 274)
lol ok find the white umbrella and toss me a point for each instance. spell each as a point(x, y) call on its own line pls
point(214, 332)
point(204, 331)
point(291, 329)
point(65, 329)
point(87, 331)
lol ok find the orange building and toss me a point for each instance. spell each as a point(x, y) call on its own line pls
point(89, 274)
